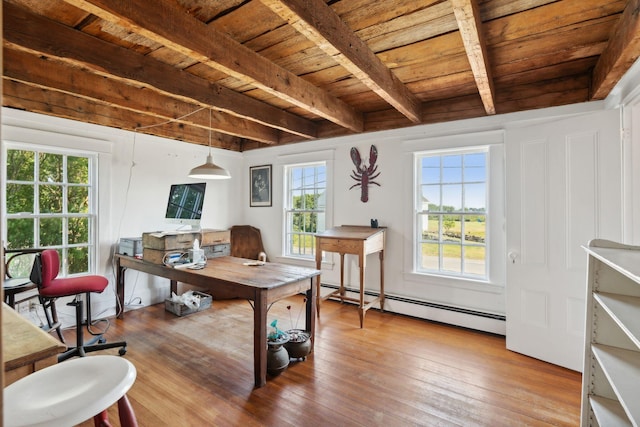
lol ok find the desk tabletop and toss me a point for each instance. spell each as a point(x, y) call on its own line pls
point(229, 269)
point(267, 275)
point(23, 342)
point(356, 232)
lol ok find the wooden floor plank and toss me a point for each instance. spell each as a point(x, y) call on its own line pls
point(398, 371)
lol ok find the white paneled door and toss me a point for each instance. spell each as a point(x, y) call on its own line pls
point(564, 187)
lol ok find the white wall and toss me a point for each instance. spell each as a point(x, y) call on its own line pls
point(140, 170)
point(391, 204)
point(142, 175)
point(135, 173)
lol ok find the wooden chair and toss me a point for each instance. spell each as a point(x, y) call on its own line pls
point(246, 242)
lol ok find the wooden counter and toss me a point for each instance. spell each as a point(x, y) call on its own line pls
point(26, 348)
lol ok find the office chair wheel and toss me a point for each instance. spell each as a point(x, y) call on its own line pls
point(122, 351)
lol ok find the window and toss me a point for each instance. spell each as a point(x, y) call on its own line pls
point(305, 207)
point(451, 213)
point(50, 203)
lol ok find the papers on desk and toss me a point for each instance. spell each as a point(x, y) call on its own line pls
point(254, 263)
point(262, 260)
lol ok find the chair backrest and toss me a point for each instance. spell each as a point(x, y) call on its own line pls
point(246, 241)
point(18, 262)
point(50, 266)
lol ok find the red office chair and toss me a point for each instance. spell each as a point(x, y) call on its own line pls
point(50, 288)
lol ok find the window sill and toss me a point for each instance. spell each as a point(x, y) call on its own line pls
point(455, 282)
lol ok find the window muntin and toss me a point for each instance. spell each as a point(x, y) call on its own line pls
point(451, 213)
point(305, 208)
point(49, 202)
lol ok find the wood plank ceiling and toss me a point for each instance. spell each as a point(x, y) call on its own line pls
point(268, 72)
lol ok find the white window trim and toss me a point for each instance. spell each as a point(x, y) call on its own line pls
point(54, 136)
point(93, 208)
point(496, 258)
point(300, 159)
point(439, 153)
point(285, 203)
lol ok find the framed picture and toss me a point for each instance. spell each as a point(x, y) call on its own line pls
point(260, 179)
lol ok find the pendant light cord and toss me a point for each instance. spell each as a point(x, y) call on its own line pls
point(176, 119)
point(209, 131)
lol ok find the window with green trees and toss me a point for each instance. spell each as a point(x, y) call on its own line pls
point(451, 214)
point(49, 203)
point(305, 207)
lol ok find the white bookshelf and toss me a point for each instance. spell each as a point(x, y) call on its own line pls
point(611, 375)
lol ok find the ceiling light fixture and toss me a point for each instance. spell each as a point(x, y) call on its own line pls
point(209, 170)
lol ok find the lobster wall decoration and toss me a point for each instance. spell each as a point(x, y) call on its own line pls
point(363, 174)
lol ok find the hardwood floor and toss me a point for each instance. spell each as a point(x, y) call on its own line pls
point(397, 371)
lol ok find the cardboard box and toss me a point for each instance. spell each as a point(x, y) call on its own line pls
point(180, 309)
point(175, 240)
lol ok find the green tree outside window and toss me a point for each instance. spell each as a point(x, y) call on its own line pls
point(48, 205)
point(305, 209)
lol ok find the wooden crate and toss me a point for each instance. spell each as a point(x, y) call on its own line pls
point(168, 241)
point(180, 309)
point(156, 256)
point(214, 251)
point(214, 237)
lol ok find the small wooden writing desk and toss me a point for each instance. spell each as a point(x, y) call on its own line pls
point(228, 277)
point(356, 240)
point(26, 348)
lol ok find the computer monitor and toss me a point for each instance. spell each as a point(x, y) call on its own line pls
point(185, 204)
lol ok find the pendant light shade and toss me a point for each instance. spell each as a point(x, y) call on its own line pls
point(209, 170)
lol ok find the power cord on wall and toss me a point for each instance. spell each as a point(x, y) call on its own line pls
point(121, 306)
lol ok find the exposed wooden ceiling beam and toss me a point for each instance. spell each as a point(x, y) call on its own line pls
point(621, 52)
point(468, 17)
point(167, 23)
point(41, 35)
point(59, 104)
point(320, 24)
point(46, 73)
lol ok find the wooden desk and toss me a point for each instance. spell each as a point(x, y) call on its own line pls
point(356, 240)
point(227, 277)
point(26, 348)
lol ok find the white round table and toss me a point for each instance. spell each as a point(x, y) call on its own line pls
point(69, 392)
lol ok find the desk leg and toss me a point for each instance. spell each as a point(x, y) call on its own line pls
point(260, 338)
point(381, 280)
point(318, 283)
point(310, 320)
point(120, 289)
point(342, 291)
point(362, 309)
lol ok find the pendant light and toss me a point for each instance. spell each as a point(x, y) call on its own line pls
point(209, 170)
